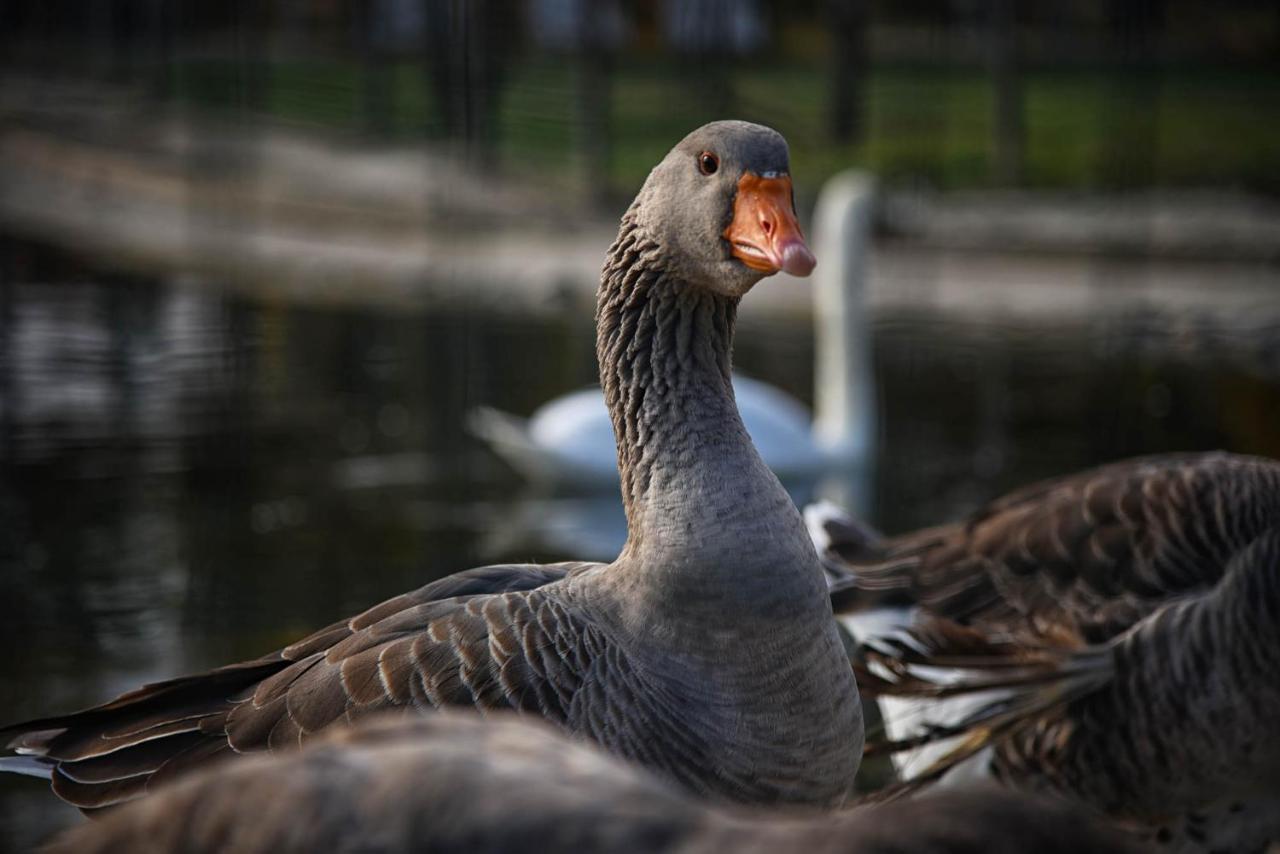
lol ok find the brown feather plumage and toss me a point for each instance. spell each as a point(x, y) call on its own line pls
point(434, 638)
point(1117, 631)
point(453, 784)
point(1089, 553)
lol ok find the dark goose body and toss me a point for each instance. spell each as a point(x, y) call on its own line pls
point(1129, 615)
point(706, 651)
point(453, 784)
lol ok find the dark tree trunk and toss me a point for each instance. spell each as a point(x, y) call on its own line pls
point(377, 73)
point(1008, 126)
point(1131, 142)
point(595, 66)
point(849, 20)
point(469, 44)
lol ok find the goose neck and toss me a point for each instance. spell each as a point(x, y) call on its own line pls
point(664, 352)
point(703, 510)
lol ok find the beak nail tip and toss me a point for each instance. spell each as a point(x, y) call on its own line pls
point(798, 260)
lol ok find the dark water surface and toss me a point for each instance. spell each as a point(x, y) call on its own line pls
point(191, 478)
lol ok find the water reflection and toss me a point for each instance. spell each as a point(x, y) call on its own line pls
point(191, 478)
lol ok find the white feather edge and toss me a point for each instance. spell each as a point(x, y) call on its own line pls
point(904, 717)
point(27, 765)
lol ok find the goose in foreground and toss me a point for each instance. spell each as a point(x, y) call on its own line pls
point(1113, 636)
point(569, 440)
point(451, 782)
point(706, 651)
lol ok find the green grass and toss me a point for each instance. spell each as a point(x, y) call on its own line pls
point(1084, 129)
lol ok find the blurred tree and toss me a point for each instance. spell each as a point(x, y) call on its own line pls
point(847, 24)
point(469, 46)
point(1136, 29)
point(709, 34)
point(8, 354)
point(161, 15)
point(378, 73)
point(385, 32)
point(598, 32)
point(1008, 125)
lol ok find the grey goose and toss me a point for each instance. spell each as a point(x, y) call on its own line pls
point(705, 651)
point(1112, 636)
point(450, 783)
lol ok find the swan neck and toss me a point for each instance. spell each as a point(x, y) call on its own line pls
point(844, 395)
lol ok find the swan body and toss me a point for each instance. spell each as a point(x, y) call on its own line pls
point(569, 440)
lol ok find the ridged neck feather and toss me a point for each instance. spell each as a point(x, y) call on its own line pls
point(688, 467)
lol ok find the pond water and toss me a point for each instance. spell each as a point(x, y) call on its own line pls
point(192, 478)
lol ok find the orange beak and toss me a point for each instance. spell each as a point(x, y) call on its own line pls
point(764, 233)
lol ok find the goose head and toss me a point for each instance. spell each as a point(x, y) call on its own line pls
point(721, 208)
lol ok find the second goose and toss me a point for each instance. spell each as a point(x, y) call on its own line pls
point(1112, 636)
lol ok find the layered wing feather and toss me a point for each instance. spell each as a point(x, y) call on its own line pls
point(1097, 635)
point(1190, 686)
point(1081, 557)
point(486, 638)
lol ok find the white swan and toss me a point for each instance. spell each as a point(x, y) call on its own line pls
point(569, 441)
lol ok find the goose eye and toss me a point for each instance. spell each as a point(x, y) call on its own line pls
point(708, 163)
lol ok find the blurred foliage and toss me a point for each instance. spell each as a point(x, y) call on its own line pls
point(1184, 127)
point(1093, 93)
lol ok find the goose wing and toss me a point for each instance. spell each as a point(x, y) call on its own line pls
point(1084, 556)
point(1191, 683)
point(487, 638)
